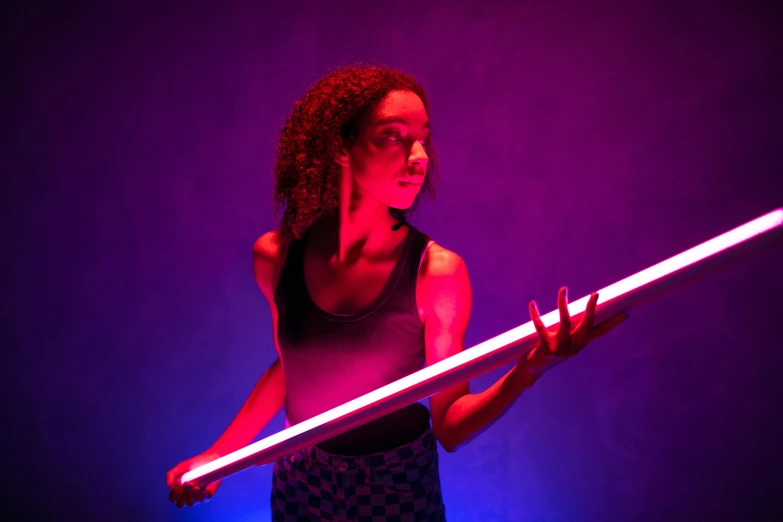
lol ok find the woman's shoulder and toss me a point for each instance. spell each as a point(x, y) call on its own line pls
point(268, 257)
point(443, 281)
point(437, 260)
point(267, 246)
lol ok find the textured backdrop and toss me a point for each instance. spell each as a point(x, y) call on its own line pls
point(578, 145)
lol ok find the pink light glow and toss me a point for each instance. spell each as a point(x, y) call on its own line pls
point(505, 348)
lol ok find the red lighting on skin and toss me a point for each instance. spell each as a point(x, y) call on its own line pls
point(507, 347)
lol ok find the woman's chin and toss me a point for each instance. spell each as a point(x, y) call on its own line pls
point(403, 205)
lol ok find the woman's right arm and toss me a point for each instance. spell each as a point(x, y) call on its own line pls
point(261, 406)
point(265, 400)
point(268, 395)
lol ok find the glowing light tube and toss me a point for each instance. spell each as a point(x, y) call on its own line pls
point(494, 353)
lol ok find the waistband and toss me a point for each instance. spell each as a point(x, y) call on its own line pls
point(425, 445)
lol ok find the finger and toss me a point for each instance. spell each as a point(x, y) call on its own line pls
point(589, 318)
point(186, 491)
point(181, 492)
point(181, 501)
point(586, 324)
point(543, 335)
point(190, 495)
point(606, 326)
point(199, 495)
point(173, 494)
point(565, 317)
point(211, 489)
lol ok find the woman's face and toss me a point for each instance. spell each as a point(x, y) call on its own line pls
point(389, 162)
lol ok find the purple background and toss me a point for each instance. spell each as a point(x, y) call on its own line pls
point(578, 145)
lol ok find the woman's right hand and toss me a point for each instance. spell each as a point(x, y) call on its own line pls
point(189, 494)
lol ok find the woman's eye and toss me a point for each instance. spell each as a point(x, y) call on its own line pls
point(397, 138)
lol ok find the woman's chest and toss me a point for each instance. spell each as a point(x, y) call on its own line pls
point(346, 291)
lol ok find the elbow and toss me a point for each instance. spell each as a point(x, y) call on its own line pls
point(446, 445)
point(449, 448)
point(454, 445)
point(447, 441)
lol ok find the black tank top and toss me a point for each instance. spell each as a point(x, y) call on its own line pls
point(330, 359)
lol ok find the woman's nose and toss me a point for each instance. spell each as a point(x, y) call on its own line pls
point(417, 153)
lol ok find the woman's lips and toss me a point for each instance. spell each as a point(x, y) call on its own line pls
point(411, 181)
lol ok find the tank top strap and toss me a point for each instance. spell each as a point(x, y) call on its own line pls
point(405, 291)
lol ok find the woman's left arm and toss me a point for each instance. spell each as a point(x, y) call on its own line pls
point(459, 416)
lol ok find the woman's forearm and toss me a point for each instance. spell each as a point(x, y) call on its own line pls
point(473, 413)
point(263, 403)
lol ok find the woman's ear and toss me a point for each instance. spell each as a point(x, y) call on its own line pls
point(342, 158)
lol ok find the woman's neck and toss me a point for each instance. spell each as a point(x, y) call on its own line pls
point(345, 242)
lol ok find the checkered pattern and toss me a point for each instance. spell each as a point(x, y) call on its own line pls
point(401, 485)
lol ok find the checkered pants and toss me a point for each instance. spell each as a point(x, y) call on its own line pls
point(400, 485)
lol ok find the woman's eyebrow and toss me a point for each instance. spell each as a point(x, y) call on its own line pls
point(387, 121)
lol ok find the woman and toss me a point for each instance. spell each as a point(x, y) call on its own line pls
point(360, 298)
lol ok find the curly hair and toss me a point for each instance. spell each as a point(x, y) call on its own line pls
point(323, 122)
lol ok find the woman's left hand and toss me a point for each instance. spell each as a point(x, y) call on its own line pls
point(565, 340)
